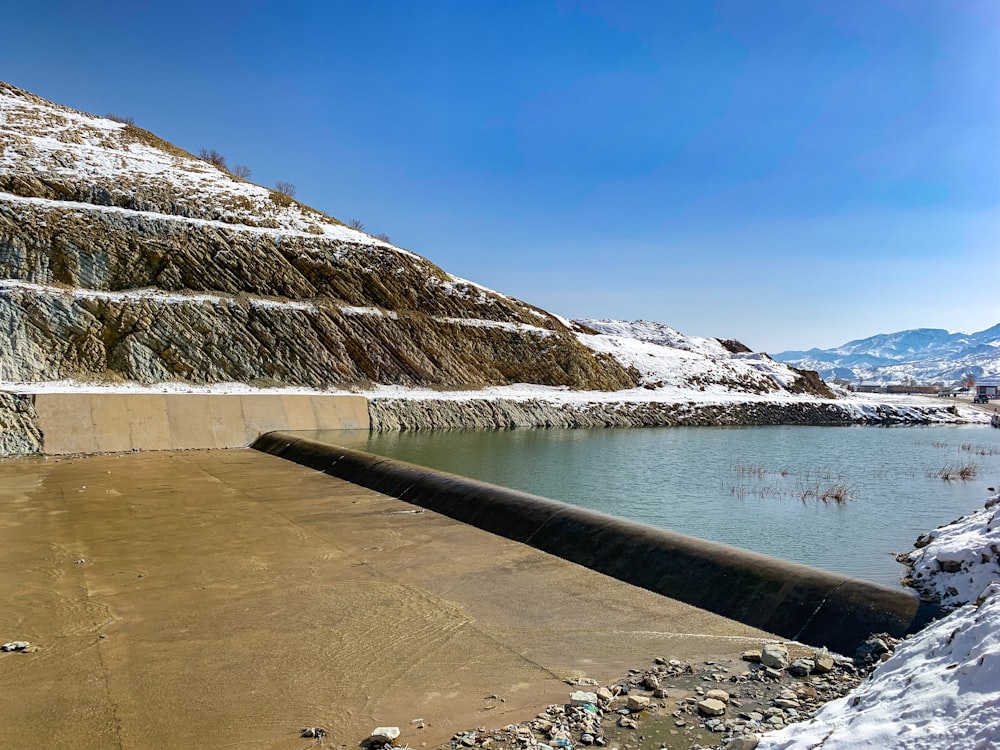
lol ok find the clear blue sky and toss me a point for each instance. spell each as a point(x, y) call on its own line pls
point(785, 172)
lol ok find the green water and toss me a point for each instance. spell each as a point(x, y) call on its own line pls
point(761, 488)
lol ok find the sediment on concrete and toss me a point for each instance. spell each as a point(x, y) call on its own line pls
point(389, 414)
point(19, 432)
point(791, 600)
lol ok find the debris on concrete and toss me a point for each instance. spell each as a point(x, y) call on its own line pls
point(711, 704)
point(384, 735)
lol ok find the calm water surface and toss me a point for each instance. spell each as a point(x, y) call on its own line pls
point(755, 487)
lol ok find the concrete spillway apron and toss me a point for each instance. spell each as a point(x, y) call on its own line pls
point(791, 600)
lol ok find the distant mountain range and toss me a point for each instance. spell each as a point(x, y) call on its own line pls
point(919, 355)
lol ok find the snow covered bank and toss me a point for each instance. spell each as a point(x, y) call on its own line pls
point(954, 564)
point(940, 690)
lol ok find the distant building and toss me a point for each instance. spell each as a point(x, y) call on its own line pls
point(896, 388)
point(911, 389)
point(871, 388)
point(988, 387)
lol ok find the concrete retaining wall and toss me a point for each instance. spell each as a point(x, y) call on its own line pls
point(790, 600)
point(111, 422)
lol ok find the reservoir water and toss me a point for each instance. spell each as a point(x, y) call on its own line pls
point(845, 499)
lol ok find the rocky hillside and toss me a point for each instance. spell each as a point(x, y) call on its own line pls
point(123, 257)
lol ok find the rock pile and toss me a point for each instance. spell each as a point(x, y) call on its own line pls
point(679, 705)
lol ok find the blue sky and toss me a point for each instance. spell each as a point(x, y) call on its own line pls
point(788, 173)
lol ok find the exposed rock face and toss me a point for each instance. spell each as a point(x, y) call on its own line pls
point(123, 257)
point(18, 433)
point(54, 334)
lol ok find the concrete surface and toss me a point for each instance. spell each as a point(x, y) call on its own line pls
point(795, 601)
point(224, 599)
point(114, 422)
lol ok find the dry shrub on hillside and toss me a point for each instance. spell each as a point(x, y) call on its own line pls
point(119, 118)
point(280, 199)
point(213, 157)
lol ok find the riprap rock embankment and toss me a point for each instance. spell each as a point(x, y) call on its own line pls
point(388, 414)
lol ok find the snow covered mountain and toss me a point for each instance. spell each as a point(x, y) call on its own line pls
point(921, 355)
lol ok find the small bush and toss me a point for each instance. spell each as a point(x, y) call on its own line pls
point(119, 118)
point(356, 224)
point(281, 199)
point(951, 472)
point(242, 171)
point(837, 493)
point(384, 237)
point(285, 187)
point(213, 157)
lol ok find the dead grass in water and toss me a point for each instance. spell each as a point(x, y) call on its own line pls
point(955, 472)
point(836, 493)
point(980, 450)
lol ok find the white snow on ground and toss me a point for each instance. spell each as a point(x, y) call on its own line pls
point(940, 690)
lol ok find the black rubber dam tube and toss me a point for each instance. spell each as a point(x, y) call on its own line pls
point(788, 599)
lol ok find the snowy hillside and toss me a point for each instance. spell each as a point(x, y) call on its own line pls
point(923, 355)
point(667, 358)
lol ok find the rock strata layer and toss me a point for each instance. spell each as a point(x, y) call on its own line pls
point(19, 435)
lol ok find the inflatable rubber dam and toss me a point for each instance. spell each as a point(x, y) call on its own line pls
point(794, 601)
